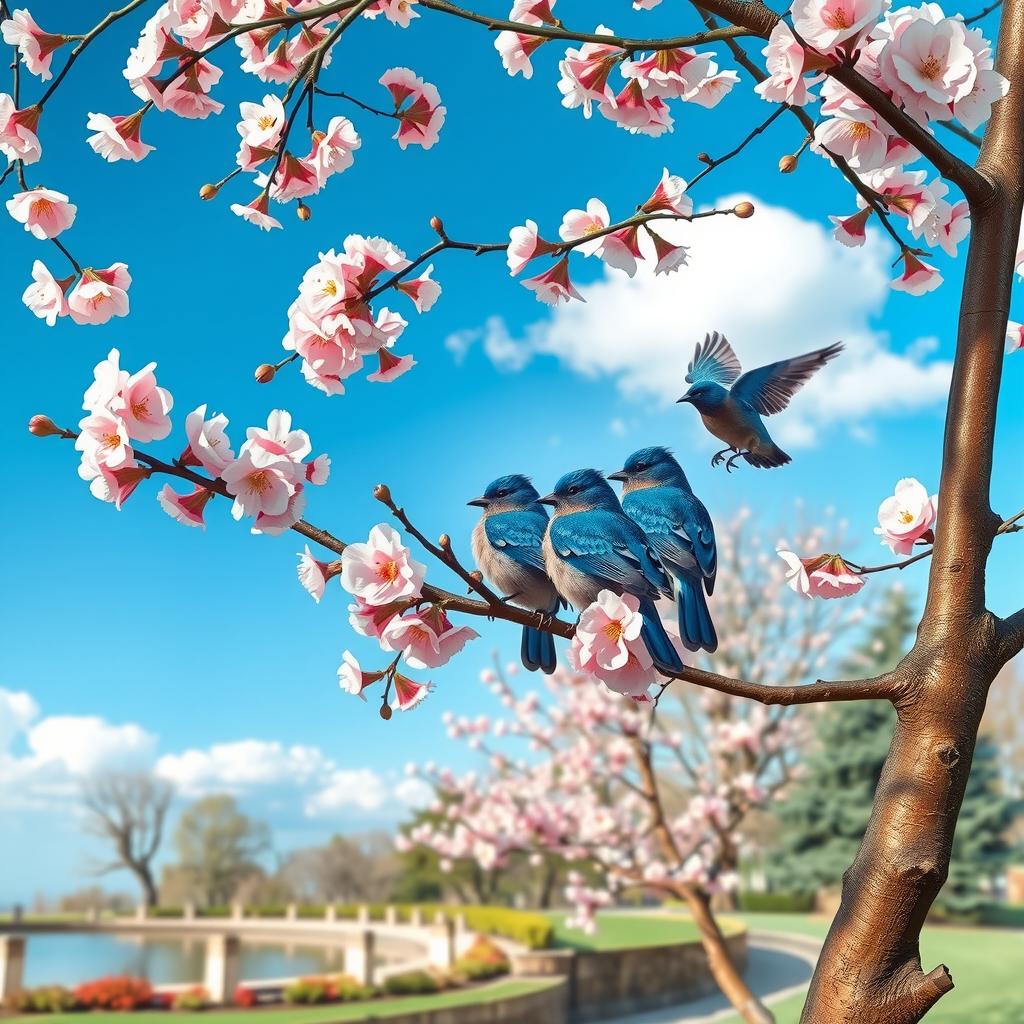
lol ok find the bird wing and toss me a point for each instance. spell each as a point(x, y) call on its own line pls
point(678, 526)
point(610, 548)
point(714, 362)
point(519, 535)
point(768, 389)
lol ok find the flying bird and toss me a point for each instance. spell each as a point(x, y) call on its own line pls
point(657, 496)
point(592, 545)
point(507, 546)
point(732, 405)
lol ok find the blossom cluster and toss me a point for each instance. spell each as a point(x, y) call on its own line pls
point(637, 103)
point(267, 478)
point(573, 794)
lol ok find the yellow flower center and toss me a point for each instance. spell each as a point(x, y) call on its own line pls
point(837, 19)
point(859, 130)
point(613, 630)
point(906, 517)
point(42, 207)
point(259, 482)
point(387, 571)
point(140, 409)
point(111, 441)
point(330, 288)
point(930, 68)
point(266, 121)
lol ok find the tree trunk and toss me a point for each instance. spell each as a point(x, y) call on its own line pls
point(870, 970)
point(723, 970)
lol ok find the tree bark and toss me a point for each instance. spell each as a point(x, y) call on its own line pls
point(870, 969)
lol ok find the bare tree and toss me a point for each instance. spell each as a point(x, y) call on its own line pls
point(129, 811)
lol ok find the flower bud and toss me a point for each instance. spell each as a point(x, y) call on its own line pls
point(444, 541)
point(264, 373)
point(787, 165)
point(705, 158)
point(438, 225)
point(385, 712)
point(382, 493)
point(744, 210)
point(303, 212)
point(42, 426)
point(208, 191)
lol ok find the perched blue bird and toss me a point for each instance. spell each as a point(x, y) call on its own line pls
point(507, 546)
point(734, 415)
point(591, 545)
point(656, 495)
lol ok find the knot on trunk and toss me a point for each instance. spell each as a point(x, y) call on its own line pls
point(948, 754)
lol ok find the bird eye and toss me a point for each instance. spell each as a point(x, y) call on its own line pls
point(640, 467)
point(574, 490)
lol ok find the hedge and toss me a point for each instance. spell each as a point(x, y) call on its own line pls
point(777, 902)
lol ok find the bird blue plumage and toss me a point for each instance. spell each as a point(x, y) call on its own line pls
point(731, 405)
point(507, 546)
point(658, 498)
point(591, 545)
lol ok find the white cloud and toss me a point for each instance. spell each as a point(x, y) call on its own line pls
point(83, 745)
point(17, 710)
point(777, 285)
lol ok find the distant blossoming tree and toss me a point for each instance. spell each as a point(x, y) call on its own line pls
point(877, 92)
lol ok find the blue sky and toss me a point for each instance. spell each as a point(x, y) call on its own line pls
point(206, 638)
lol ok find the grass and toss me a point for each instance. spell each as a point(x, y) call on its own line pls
point(623, 931)
point(336, 1013)
point(985, 962)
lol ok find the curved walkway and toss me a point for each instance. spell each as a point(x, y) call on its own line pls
point(778, 966)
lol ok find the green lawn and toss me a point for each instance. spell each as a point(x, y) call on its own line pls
point(379, 1009)
point(986, 965)
point(624, 931)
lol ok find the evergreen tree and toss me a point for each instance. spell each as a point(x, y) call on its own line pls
point(824, 815)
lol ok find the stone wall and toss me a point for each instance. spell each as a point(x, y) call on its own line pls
point(612, 983)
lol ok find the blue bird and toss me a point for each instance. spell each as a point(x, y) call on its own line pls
point(507, 546)
point(591, 545)
point(734, 415)
point(656, 495)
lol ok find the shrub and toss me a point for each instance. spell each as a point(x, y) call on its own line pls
point(412, 983)
point(47, 999)
point(115, 994)
point(348, 990)
point(219, 910)
point(244, 997)
point(268, 910)
point(195, 998)
point(484, 950)
point(777, 902)
point(309, 991)
point(312, 910)
point(165, 912)
point(529, 929)
point(465, 970)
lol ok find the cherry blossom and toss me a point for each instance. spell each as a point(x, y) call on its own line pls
point(261, 483)
point(427, 639)
point(825, 24)
point(372, 620)
point(45, 296)
point(669, 196)
point(852, 231)
point(104, 437)
point(524, 245)
point(553, 285)
point(423, 290)
point(100, 295)
point(187, 509)
point(1014, 337)
point(826, 576)
point(118, 138)
point(208, 444)
point(408, 694)
point(672, 74)
point(352, 679)
point(585, 73)
point(262, 123)
point(907, 517)
point(187, 95)
point(398, 12)
point(278, 438)
point(143, 407)
point(44, 212)
point(256, 212)
point(516, 49)
point(314, 574)
point(786, 62)
point(115, 486)
point(917, 278)
point(669, 257)
point(578, 224)
point(381, 570)
point(319, 470)
point(333, 149)
point(638, 113)
point(417, 107)
point(18, 138)
point(35, 46)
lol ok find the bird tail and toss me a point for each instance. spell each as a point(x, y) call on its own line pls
point(659, 645)
point(768, 458)
point(538, 651)
point(695, 626)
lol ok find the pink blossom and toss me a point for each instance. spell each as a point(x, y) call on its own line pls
point(18, 139)
point(398, 12)
point(857, 137)
point(187, 509)
point(293, 179)
point(314, 574)
point(516, 49)
point(256, 212)
point(1014, 337)
point(906, 193)
point(607, 645)
point(524, 245)
point(116, 485)
point(275, 523)
point(585, 73)
point(187, 95)
point(261, 482)
point(352, 679)
point(108, 379)
point(408, 693)
point(422, 290)
point(105, 437)
point(637, 113)
point(372, 620)
point(852, 231)
point(672, 74)
point(381, 570)
point(318, 470)
point(44, 212)
point(333, 149)
point(427, 639)
point(917, 278)
point(713, 90)
point(907, 517)
point(118, 138)
point(143, 406)
point(553, 285)
point(35, 46)
point(208, 444)
point(390, 367)
point(669, 257)
point(262, 123)
point(825, 24)
point(45, 296)
point(825, 576)
point(278, 438)
point(669, 197)
point(786, 66)
point(100, 294)
point(417, 107)
point(949, 224)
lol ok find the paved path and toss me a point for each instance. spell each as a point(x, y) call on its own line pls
point(778, 966)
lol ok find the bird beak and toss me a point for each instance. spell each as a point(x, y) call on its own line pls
point(621, 476)
point(479, 502)
point(548, 499)
point(685, 398)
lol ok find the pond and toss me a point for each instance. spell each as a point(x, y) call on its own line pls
point(70, 958)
